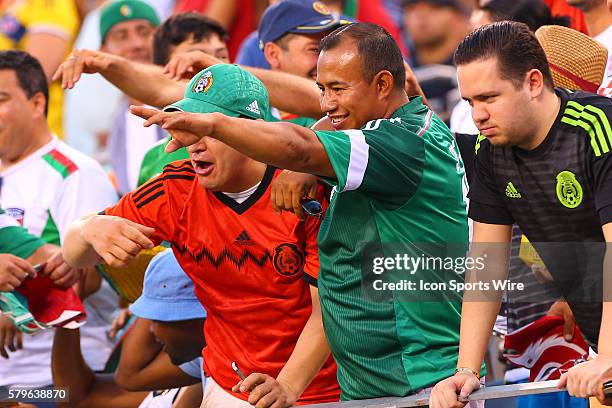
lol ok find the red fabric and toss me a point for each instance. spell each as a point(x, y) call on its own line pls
point(244, 22)
point(50, 304)
point(248, 271)
point(561, 8)
point(540, 346)
point(373, 11)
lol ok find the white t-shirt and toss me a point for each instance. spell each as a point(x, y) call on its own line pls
point(45, 192)
point(165, 399)
point(606, 86)
point(605, 38)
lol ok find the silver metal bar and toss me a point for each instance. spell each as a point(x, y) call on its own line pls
point(485, 393)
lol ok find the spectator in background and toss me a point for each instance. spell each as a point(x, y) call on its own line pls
point(599, 24)
point(289, 35)
point(238, 17)
point(435, 28)
point(180, 33)
point(126, 30)
point(46, 185)
point(46, 29)
point(561, 8)
point(367, 11)
point(162, 351)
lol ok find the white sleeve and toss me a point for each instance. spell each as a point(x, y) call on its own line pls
point(83, 192)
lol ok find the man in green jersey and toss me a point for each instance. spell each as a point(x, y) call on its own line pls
point(397, 178)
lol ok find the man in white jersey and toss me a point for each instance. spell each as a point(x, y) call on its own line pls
point(46, 185)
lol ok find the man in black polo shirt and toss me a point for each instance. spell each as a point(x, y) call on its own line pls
point(544, 162)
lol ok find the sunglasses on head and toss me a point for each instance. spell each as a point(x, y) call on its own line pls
point(312, 207)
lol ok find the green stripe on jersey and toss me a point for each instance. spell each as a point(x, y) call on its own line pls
point(578, 115)
point(479, 139)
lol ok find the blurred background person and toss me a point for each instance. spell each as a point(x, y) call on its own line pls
point(46, 29)
point(126, 29)
point(435, 28)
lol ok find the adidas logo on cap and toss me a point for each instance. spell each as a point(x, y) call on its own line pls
point(254, 107)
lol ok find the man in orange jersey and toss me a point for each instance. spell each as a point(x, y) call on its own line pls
point(255, 271)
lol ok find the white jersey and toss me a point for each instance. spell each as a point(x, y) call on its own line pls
point(45, 192)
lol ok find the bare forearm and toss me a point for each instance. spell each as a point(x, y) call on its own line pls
point(68, 366)
point(310, 353)
point(290, 93)
point(143, 82)
point(477, 319)
point(76, 250)
point(283, 145)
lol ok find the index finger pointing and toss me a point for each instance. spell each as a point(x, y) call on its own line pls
point(143, 112)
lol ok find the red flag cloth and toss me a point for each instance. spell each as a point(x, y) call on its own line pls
point(541, 347)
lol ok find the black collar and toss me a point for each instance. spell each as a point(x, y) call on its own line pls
point(240, 208)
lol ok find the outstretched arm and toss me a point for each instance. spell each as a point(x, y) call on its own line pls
point(143, 82)
point(283, 145)
point(289, 93)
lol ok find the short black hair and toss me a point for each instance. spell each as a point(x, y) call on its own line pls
point(534, 13)
point(378, 50)
point(30, 74)
point(513, 44)
point(179, 28)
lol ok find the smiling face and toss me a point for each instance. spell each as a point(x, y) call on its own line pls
point(348, 99)
point(502, 111)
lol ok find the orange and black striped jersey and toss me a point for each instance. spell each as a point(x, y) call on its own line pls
point(251, 268)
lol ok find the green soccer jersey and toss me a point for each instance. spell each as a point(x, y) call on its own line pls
point(156, 158)
point(16, 240)
point(399, 181)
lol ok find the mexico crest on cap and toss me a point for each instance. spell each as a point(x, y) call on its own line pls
point(321, 8)
point(204, 83)
point(125, 10)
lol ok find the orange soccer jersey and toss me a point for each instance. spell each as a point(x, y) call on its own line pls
point(251, 268)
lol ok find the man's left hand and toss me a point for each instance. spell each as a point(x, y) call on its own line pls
point(265, 391)
point(586, 379)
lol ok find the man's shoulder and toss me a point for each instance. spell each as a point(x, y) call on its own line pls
point(179, 173)
point(579, 100)
point(587, 116)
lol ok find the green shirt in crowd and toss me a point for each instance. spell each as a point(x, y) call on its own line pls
point(16, 240)
point(399, 181)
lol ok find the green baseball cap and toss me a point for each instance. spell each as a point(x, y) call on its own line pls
point(118, 11)
point(225, 88)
